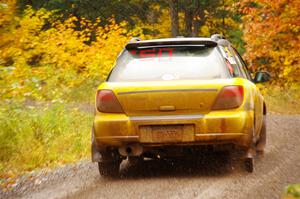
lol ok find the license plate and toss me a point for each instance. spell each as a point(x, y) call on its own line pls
point(172, 133)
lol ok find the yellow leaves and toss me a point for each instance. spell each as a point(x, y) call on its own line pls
point(205, 30)
point(287, 62)
point(62, 55)
point(7, 11)
point(160, 29)
point(197, 18)
point(286, 71)
point(123, 24)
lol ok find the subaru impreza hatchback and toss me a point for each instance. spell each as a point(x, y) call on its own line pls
point(176, 97)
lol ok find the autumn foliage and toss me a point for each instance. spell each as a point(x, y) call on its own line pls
point(53, 54)
point(43, 52)
point(271, 33)
point(42, 55)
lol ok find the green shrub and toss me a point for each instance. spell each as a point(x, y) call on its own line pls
point(292, 191)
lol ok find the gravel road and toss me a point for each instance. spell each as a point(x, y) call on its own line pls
point(215, 176)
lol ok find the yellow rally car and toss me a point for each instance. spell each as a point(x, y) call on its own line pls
point(176, 97)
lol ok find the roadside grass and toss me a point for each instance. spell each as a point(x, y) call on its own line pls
point(34, 137)
point(83, 93)
point(292, 192)
point(283, 100)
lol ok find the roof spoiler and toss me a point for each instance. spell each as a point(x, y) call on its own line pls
point(164, 43)
point(135, 39)
point(217, 37)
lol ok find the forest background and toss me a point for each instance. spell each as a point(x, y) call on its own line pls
point(54, 53)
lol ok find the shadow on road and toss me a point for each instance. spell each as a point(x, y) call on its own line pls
point(205, 165)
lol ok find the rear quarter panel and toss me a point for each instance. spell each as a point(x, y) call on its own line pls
point(255, 100)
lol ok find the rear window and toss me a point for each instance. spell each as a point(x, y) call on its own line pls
point(169, 63)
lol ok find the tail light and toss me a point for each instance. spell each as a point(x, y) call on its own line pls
point(230, 97)
point(107, 102)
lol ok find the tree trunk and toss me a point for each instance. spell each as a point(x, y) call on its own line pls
point(173, 4)
point(188, 17)
point(196, 19)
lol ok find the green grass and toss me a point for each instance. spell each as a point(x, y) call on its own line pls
point(292, 191)
point(41, 136)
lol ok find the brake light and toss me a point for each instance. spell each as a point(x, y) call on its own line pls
point(230, 97)
point(107, 102)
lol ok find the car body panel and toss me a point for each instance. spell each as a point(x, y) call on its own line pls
point(217, 126)
point(141, 102)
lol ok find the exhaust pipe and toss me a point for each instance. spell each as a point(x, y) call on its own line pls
point(131, 150)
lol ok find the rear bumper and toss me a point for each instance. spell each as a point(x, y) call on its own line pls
point(217, 127)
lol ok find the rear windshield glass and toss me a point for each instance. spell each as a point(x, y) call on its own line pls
point(169, 63)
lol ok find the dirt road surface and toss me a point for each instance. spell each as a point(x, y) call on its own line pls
point(216, 176)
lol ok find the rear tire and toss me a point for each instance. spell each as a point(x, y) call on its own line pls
point(261, 143)
point(109, 169)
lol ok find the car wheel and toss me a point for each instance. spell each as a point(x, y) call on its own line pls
point(109, 169)
point(261, 144)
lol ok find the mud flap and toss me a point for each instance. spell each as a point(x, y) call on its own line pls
point(249, 165)
point(96, 155)
point(261, 143)
point(250, 154)
point(104, 155)
point(249, 160)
